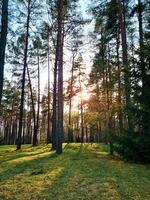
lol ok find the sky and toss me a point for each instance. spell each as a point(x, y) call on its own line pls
point(87, 53)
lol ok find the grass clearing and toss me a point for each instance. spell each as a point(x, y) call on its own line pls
point(83, 172)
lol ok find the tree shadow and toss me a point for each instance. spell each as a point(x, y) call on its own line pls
point(43, 162)
point(82, 173)
point(76, 177)
point(19, 155)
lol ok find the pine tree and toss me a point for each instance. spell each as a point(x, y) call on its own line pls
point(3, 39)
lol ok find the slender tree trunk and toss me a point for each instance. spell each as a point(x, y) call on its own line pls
point(3, 39)
point(60, 37)
point(33, 110)
point(120, 115)
point(54, 116)
point(106, 118)
point(14, 131)
point(108, 99)
point(122, 21)
point(70, 134)
point(11, 123)
point(30, 127)
point(140, 20)
point(86, 132)
point(69, 121)
point(38, 106)
point(49, 98)
point(23, 79)
point(81, 107)
point(24, 128)
point(145, 123)
point(78, 130)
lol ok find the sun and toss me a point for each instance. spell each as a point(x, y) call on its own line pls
point(85, 94)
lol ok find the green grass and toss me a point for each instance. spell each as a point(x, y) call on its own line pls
point(84, 172)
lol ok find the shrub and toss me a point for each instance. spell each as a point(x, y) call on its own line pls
point(1, 140)
point(133, 147)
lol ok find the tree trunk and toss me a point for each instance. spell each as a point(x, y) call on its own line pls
point(108, 100)
point(145, 122)
point(81, 107)
point(49, 98)
point(38, 106)
point(60, 37)
point(120, 115)
point(33, 110)
point(3, 40)
point(23, 79)
point(122, 21)
point(70, 134)
point(54, 116)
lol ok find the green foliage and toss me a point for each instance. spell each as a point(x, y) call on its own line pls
point(133, 147)
point(1, 139)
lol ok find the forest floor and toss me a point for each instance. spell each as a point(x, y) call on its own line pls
point(82, 172)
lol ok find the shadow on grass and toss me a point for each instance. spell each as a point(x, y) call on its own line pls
point(86, 173)
point(46, 162)
point(97, 175)
point(19, 155)
point(9, 153)
point(39, 160)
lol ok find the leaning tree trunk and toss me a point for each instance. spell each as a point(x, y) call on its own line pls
point(3, 39)
point(33, 109)
point(23, 79)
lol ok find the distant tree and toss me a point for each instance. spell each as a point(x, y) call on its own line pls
point(75, 46)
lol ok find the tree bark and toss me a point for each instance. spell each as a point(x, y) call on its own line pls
point(49, 98)
point(70, 134)
point(54, 116)
point(145, 123)
point(33, 109)
point(23, 79)
point(60, 37)
point(120, 115)
point(81, 106)
point(122, 21)
point(35, 142)
point(3, 40)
